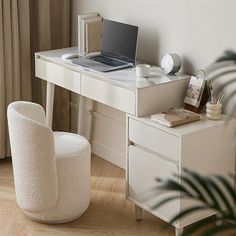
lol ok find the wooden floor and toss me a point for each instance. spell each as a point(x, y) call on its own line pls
point(109, 213)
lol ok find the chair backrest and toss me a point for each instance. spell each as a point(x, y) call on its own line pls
point(33, 156)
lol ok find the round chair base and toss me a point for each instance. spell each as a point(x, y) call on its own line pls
point(73, 173)
point(53, 222)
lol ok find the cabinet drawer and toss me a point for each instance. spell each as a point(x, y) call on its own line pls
point(109, 94)
point(154, 139)
point(143, 169)
point(58, 75)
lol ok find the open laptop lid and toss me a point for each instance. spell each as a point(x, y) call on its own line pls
point(119, 40)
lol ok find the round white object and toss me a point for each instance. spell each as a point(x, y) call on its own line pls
point(213, 111)
point(143, 70)
point(170, 63)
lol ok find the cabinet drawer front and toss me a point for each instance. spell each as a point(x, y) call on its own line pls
point(109, 94)
point(154, 139)
point(143, 169)
point(58, 75)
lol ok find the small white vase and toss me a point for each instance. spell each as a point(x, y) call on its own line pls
point(214, 111)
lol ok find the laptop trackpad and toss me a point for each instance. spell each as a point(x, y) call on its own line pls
point(91, 64)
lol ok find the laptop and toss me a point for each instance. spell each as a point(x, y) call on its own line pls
point(118, 49)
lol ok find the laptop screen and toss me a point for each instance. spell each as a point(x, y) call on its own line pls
point(119, 40)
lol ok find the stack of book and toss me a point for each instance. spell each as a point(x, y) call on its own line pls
point(89, 33)
point(175, 116)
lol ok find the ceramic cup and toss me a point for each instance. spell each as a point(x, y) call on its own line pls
point(143, 70)
point(213, 111)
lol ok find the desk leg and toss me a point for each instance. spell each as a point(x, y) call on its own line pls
point(90, 110)
point(49, 103)
point(179, 231)
point(138, 213)
point(81, 112)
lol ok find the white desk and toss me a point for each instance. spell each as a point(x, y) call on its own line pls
point(153, 150)
point(119, 89)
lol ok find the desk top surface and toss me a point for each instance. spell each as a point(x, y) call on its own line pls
point(194, 127)
point(124, 78)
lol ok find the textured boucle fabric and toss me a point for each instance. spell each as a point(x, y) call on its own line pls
point(73, 155)
point(51, 169)
point(33, 156)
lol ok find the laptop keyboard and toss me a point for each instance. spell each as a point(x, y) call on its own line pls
point(107, 61)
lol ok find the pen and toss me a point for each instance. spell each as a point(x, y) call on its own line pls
point(220, 98)
point(212, 94)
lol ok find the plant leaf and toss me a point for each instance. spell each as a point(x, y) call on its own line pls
point(196, 186)
point(172, 185)
point(228, 187)
point(228, 207)
point(217, 229)
point(198, 225)
point(229, 55)
point(205, 185)
point(164, 201)
point(220, 74)
point(186, 212)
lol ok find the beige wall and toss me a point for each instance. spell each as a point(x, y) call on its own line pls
point(198, 30)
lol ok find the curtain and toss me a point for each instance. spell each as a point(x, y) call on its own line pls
point(28, 26)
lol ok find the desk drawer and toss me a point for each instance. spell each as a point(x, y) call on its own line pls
point(58, 75)
point(154, 139)
point(109, 94)
point(143, 169)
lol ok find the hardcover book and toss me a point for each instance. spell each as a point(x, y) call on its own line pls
point(82, 30)
point(93, 34)
point(175, 116)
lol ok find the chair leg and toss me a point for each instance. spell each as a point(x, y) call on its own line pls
point(138, 213)
point(178, 231)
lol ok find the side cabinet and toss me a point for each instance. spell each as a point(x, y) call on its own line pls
point(155, 151)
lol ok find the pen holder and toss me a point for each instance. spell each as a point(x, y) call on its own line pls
point(213, 111)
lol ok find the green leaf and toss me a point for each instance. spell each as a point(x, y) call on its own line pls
point(172, 185)
point(187, 212)
point(204, 183)
point(218, 229)
point(228, 207)
point(187, 181)
point(197, 187)
point(198, 225)
point(221, 87)
point(229, 55)
point(164, 201)
point(223, 73)
point(229, 188)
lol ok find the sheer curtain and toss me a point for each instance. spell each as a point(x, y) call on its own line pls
point(27, 26)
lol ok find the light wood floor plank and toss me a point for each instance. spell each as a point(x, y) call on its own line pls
point(109, 212)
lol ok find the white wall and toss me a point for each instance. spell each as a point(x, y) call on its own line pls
point(198, 30)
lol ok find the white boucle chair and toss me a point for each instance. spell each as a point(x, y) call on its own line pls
point(51, 169)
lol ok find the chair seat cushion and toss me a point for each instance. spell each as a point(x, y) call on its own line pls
point(70, 145)
point(73, 155)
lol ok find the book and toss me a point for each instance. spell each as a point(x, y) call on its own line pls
point(194, 91)
point(93, 34)
point(175, 116)
point(81, 30)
